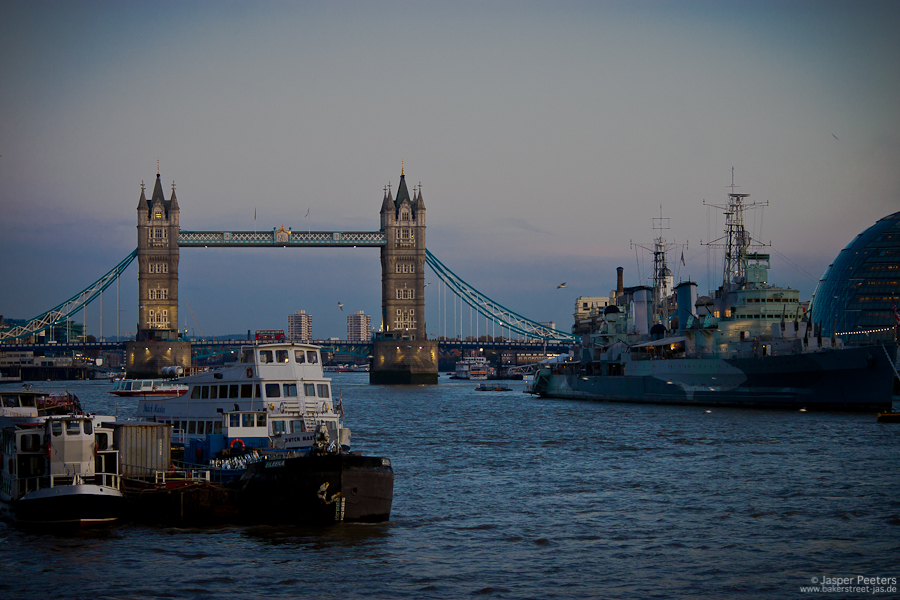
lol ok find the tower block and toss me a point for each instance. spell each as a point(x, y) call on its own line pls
point(402, 354)
point(157, 342)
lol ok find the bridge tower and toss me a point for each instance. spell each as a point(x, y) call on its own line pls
point(401, 351)
point(157, 342)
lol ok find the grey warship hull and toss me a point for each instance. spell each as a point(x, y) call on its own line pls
point(849, 378)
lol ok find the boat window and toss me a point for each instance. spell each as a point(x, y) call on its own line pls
point(323, 390)
point(9, 401)
point(209, 427)
point(195, 392)
point(73, 427)
point(247, 355)
point(217, 427)
point(234, 420)
point(260, 419)
point(204, 392)
point(300, 356)
point(223, 391)
point(309, 389)
point(102, 441)
point(88, 427)
point(312, 357)
point(192, 427)
point(176, 425)
point(277, 427)
point(246, 390)
point(31, 442)
point(297, 427)
point(213, 391)
point(273, 390)
point(281, 356)
point(31, 466)
point(232, 391)
point(265, 356)
point(27, 401)
point(258, 395)
point(247, 420)
point(290, 390)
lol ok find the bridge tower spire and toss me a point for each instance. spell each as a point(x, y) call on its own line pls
point(402, 352)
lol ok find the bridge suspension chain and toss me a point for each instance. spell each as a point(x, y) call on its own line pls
point(71, 306)
point(490, 309)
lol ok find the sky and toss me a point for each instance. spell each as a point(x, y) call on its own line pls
point(547, 136)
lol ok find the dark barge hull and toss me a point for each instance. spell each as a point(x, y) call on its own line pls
point(67, 507)
point(848, 379)
point(316, 490)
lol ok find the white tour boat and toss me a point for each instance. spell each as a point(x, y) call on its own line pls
point(147, 387)
point(275, 396)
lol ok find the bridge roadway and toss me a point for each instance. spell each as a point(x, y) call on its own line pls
point(338, 347)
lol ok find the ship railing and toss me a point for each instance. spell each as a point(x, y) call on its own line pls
point(162, 477)
point(26, 485)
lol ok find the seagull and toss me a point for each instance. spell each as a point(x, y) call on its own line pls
point(340, 306)
point(562, 285)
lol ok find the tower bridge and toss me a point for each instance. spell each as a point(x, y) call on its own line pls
point(400, 238)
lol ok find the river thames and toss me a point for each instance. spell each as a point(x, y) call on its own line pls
point(501, 495)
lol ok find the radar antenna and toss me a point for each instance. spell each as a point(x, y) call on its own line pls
point(737, 240)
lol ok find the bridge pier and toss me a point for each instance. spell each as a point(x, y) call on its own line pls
point(404, 362)
point(146, 359)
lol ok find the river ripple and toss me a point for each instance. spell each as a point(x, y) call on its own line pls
point(501, 495)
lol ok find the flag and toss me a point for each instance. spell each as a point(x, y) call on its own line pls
point(682, 258)
point(307, 213)
point(254, 214)
point(896, 314)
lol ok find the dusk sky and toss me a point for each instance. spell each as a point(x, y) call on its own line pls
point(546, 136)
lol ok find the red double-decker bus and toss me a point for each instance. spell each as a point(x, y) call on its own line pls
point(270, 335)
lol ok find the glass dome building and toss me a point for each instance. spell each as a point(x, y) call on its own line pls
point(856, 295)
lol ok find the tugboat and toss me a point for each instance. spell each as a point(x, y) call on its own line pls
point(268, 429)
point(748, 344)
point(61, 472)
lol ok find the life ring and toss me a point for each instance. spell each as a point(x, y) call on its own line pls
point(281, 408)
point(235, 441)
point(249, 372)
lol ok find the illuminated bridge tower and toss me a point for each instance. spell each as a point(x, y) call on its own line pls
point(157, 343)
point(401, 351)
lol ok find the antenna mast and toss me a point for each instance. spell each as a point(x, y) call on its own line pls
point(661, 272)
point(737, 239)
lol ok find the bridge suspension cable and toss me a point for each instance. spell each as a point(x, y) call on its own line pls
point(490, 309)
point(71, 306)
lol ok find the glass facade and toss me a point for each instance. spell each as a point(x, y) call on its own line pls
point(855, 296)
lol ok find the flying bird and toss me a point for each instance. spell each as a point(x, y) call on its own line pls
point(562, 285)
point(835, 137)
point(340, 306)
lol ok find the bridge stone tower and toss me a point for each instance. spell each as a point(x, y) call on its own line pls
point(401, 351)
point(157, 342)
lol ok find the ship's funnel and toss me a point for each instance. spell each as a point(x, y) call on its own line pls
point(620, 282)
point(643, 305)
point(687, 297)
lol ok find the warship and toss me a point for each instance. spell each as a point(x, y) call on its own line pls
point(748, 344)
